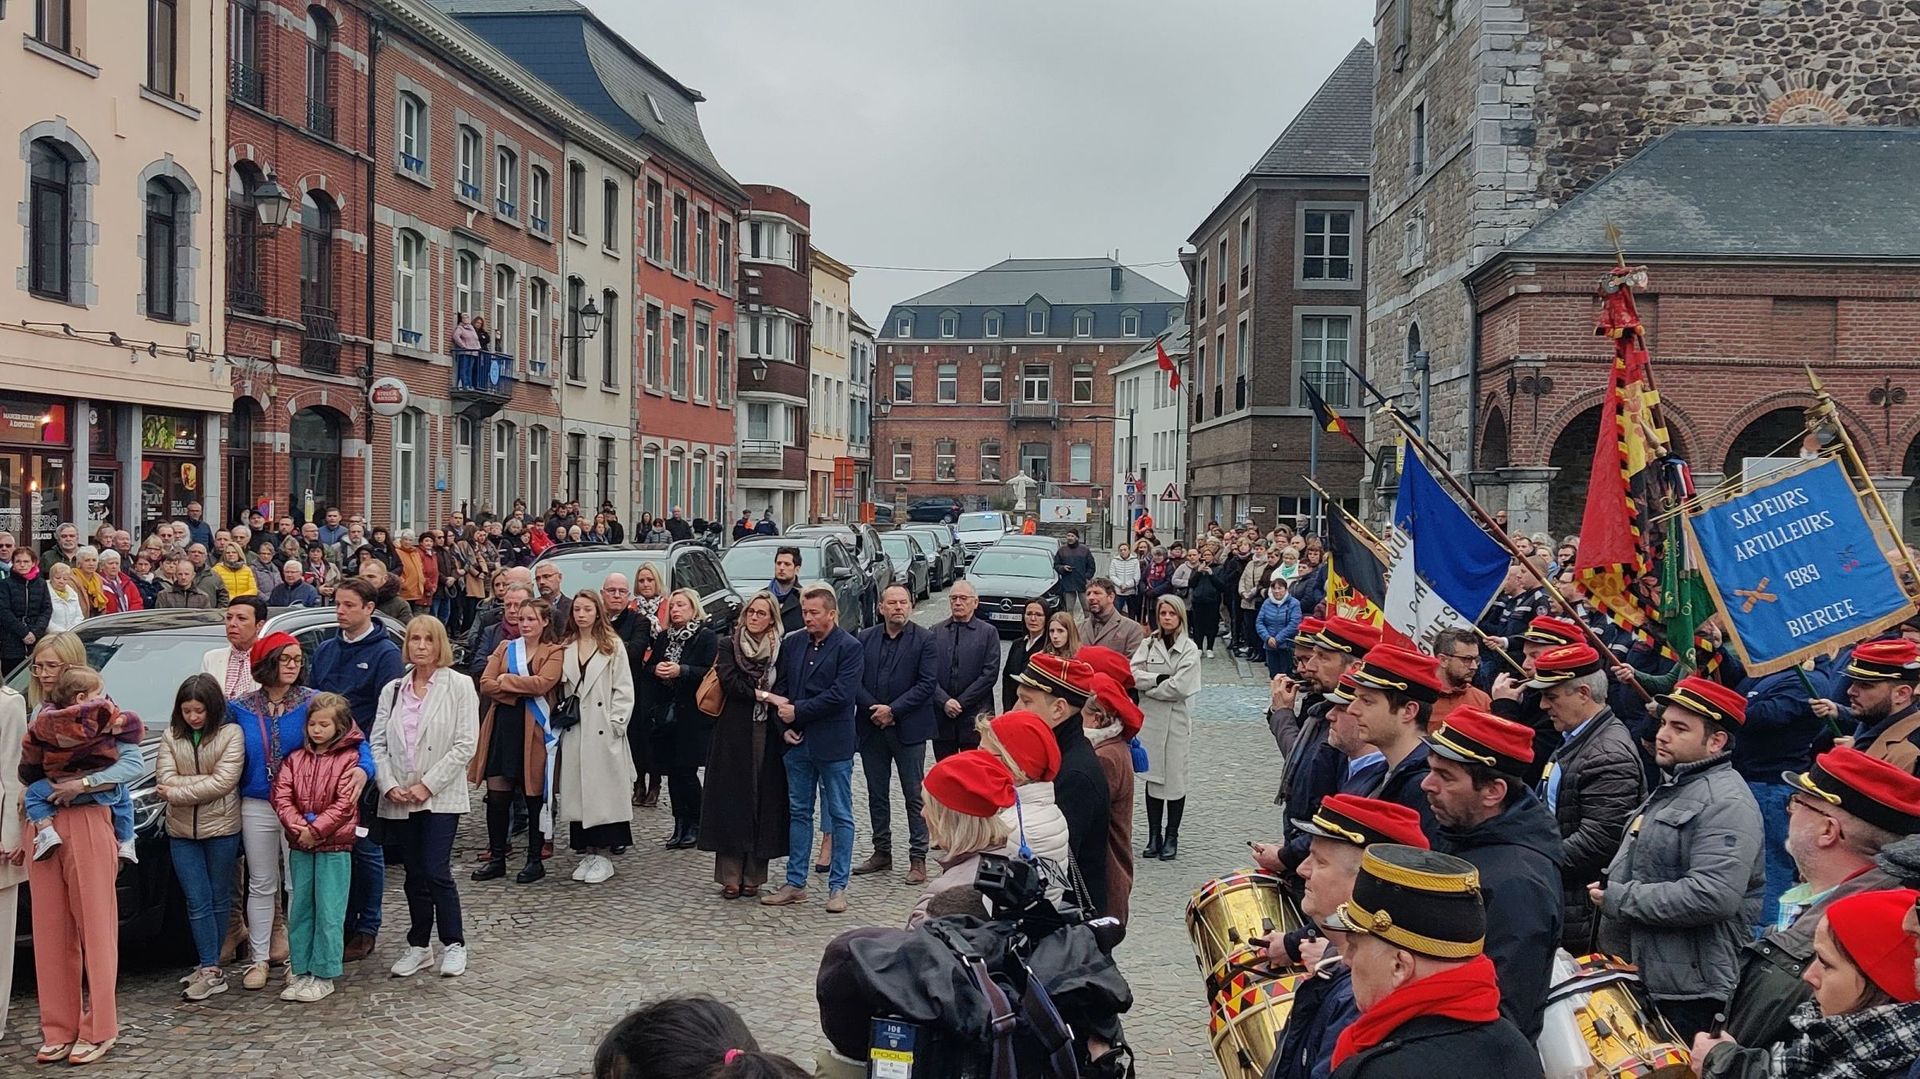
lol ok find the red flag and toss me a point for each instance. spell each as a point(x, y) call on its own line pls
point(1166, 364)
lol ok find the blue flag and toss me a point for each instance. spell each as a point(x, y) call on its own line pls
point(1445, 569)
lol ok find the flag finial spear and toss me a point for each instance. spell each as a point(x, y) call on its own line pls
point(1614, 235)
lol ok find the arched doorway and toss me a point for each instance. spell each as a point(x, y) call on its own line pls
point(1493, 442)
point(313, 452)
point(1573, 455)
point(1773, 434)
point(240, 431)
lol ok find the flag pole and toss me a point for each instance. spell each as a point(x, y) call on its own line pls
point(1487, 643)
point(1433, 459)
point(1828, 413)
point(1373, 541)
point(1313, 474)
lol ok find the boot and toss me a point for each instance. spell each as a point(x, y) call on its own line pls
point(692, 837)
point(499, 806)
point(536, 843)
point(916, 871)
point(1172, 846)
point(651, 799)
point(878, 862)
point(1155, 807)
point(679, 833)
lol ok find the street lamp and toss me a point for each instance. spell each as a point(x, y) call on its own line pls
point(589, 323)
point(272, 203)
point(884, 406)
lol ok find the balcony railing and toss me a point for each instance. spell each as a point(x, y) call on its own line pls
point(762, 453)
point(504, 207)
point(539, 224)
point(415, 165)
point(1034, 411)
point(470, 192)
point(482, 374)
point(320, 119)
point(246, 83)
point(320, 340)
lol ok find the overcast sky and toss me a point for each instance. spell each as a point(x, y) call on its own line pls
point(955, 133)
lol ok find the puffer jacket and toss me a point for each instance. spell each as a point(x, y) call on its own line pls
point(311, 789)
point(1685, 886)
point(1601, 782)
point(202, 782)
point(1037, 817)
point(961, 872)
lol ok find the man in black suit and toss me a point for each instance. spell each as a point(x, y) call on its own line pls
point(896, 704)
point(968, 664)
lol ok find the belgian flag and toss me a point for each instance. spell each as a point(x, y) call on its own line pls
point(1330, 421)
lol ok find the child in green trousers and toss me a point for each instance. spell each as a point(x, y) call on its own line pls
point(314, 794)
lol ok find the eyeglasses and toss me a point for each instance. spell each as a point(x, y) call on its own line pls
point(295, 659)
point(1470, 657)
point(48, 666)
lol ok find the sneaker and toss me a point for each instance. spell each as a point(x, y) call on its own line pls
point(128, 854)
point(786, 894)
point(411, 962)
point(44, 841)
point(1209, 653)
point(837, 901)
point(295, 984)
point(211, 982)
point(599, 870)
point(255, 978)
point(316, 989)
point(580, 867)
point(453, 961)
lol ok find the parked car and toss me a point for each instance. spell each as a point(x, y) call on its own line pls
point(143, 656)
point(911, 564)
point(948, 553)
point(976, 530)
point(749, 566)
point(1037, 542)
point(681, 564)
point(1006, 577)
point(865, 543)
point(937, 508)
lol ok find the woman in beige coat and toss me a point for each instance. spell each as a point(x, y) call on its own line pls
point(594, 778)
point(423, 739)
point(197, 773)
point(1166, 670)
point(13, 837)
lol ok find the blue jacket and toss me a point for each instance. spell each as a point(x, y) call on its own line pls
point(906, 686)
point(357, 671)
point(301, 594)
point(1278, 621)
point(199, 532)
point(1323, 1008)
point(1781, 728)
point(824, 698)
point(293, 734)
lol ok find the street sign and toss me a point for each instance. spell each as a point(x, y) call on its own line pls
point(1171, 494)
point(1133, 489)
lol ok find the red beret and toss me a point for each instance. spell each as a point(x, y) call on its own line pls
point(1400, 670)
point(1882, 794)
point(1349, 635)
point(972, 783)
point(1360, 821)
point(1547, 629)
point(1106, 661)
point(1472, 736)
point(1120, 706)
point(1708, 698)
point(1564, 663)
point(1868, 926)
point(264, 647)
point(1069, 679)
point(1888, 660)
point(1030, 742)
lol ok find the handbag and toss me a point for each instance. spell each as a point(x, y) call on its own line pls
point(565, 715)
point(710, 698)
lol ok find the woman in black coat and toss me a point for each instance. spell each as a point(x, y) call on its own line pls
point(25, 610)
point(748, 828)
point(1033, 619)
point(681, 653)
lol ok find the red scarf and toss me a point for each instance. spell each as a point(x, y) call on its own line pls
point(1468, 993)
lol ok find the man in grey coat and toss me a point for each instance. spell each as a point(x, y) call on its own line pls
point(1683, 893)
point(967, 663)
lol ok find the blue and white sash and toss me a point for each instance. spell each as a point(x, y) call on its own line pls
point(537, 711)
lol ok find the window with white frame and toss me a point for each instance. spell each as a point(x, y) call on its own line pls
point(759, 421)
point(469, 164)
point(1324, 344)
point(656, 229)
point(1129, 323)
point(1201, 283)
point(903, 326)
point(610, 215)
point(1326, 245)
point(990, 384)
point(1246, 252)
point(678, 357)
point(1036, 383)
point(702, 371)
point(539, 481)
point(412, 136)
point(676, 478)
point(539, 199)
point(650, 480)
point(506, 182)
point(609, 340)
point(722, 366)
point(410, 287)
point(1082, 383)
point(946, 388)
point(1243, 351)
point(724, 257)
point(1080, 463)
point(576, 447)
point(504, 466)
point(1036, 323)
point(603, 473)
point(409, 469)
point(539, 319)
point(945, 460)
point(506, 305)
point(703, 246)
point(680, 232)
point(1219, 358)
point(652, 346)
point(992, 324)
point(989, 461)
point(949, 324)
point(697, 485)
point(576, 198)
point(903, 460)
point(1083, 324)
point(466, 275)
point(903, 384)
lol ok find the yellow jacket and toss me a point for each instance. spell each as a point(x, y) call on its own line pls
point(238, 579)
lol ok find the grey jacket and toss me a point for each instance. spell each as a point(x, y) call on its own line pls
point(1601, 783)
point(1685, 887)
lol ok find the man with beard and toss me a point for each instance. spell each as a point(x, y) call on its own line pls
point(1103, 624)
point(1354, 767)
point(1489, 818)
point(1883, 675)
point(1340, 831)
point(1287, 705)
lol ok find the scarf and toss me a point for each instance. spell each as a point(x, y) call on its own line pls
point(269, 714)
point(89, 584)
point(1871, 1044)
point(650, 610)
point(1467, 993)
point(677, 640)
point(757, 658)
point(520, 661)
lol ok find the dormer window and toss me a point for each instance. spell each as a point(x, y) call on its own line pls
point(1036, 323)
point(1083, 324)
point(903, 326)
point(949, 324)
point(992, 322)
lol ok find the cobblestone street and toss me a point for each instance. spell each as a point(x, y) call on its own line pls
point(555, 963)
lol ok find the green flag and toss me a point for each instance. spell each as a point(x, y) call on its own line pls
point(1684, 601)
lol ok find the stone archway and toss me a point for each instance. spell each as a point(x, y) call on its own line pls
point(1770, 434)
point(1572, 457)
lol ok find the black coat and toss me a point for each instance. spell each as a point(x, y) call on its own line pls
point(1075, 566)
point(906, 686)
point(680, 729)
point(743, 761)
point(1017, 655)
point(1601, 784)
point(1401, 786)
point(1080, 790)
point(1421, 1047)
point(967, 663)
point(1518, 855)
point(25, 608)
point(789, 608)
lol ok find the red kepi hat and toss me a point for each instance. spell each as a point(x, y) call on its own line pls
point(1348, 635)
point(1549, 630)
point(1563, 664)
point(1895, 659)
point(1708, 698)
point(1360, 821)
point(1068, 679)
point(1882, 794)
point(1472, 736)
point(1395, 669)
point(1106, 661)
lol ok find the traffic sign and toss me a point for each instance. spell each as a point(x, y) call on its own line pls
point(1171, 494)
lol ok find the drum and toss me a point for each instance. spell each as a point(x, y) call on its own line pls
point(1226, 913)
point(1249, 1017)
point(1245, 960)
point(1599, 1024)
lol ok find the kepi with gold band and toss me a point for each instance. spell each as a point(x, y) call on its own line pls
point(1474, 736)
point(1564, 664)
point(1879, 793)
point(1707, 698)
point(1393, 669)
point(1894, 659)
point(1548, 630)
point(1420, 900)
point(1350, 636)
point(1068, 679)
point(1342, 692)
point(1363, 822)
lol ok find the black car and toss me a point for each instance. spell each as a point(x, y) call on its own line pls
point(823, 558)
point(681, 564)
point(865, 543)
point(911, 565)
point(1006, 578)
point(142, 656)
point(950, 555)
point(937, 508)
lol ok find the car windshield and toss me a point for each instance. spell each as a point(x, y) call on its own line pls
point(982, 522)
point(1011, 563)
point(754, 561)
point(142, 670)
point(898, 545)
point(589, 569)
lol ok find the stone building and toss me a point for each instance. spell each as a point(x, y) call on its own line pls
point(1150, 444)
point(1277, 296)
point(860, 400)
point(1490, 114)
point(1767, 248)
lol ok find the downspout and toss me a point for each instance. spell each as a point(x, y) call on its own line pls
point(374, 35)
point(1473, 375)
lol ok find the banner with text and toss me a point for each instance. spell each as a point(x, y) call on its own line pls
point(1795, 568)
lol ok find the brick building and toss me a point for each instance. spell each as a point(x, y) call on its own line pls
point(686, 210)
point(1490, 114)
point(775, 335)
point(1767, 248)
point(1009, 370)
point(1277, 293)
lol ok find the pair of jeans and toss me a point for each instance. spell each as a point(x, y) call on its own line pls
point(316, 909)
point(833, 780)
point(369, 880)
point(1773, 798)
point(424, 842)
point(205, 870)
point(1279, 660)
point(881, 753)
point(41, 808)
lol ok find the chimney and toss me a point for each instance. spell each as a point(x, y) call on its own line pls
point(1114, 279)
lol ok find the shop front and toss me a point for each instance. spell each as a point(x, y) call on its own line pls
point(36, 458)
point(171, 452)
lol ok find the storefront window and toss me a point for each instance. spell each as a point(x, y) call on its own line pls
point(170, 450)
point(34, 458)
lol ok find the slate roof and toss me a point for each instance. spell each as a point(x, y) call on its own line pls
point(1752, 190)
point(1061, 282)
point(569, 48)
point(1178, 339)
point(1332, 134)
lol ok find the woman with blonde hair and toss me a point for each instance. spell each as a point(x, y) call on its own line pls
point(681, 653)
point(1063, 635)
point(52, 656)
point(69, 604)
point(595, 775)
point(1166, 671)
point(965, 796)
point(747, 829)
point(647, 595)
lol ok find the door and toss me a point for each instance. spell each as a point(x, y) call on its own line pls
point(314, 459)
point(464, 460)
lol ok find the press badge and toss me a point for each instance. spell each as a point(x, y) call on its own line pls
point(890, 1049)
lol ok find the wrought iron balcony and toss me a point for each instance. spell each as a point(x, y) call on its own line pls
point(247, 83)
point(470, 192)
point(415, 165)
point(539, 224)
point(504, 207)
point(320, 119)
point(482, 381)
point(320, 340)
point(1034, 411)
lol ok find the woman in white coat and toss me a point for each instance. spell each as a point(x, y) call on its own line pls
point(1166, 669)
point(13, 837)
point(1025, 744)
point(593, 779)
point(424, 735)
